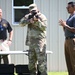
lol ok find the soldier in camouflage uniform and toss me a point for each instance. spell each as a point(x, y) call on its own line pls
point(36, 40)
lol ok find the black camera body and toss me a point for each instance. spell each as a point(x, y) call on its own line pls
point(33, 14)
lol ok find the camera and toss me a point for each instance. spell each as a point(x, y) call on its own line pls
point(33, 14)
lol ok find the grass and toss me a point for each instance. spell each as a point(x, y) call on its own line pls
point(55, 73)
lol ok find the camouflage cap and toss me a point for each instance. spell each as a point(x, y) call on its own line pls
point(32, 7)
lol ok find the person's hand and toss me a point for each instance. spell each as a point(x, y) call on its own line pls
point(9, 42)
point(31, 20)
point(35, 18)
point(62, 23)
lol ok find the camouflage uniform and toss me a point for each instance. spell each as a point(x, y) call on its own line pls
point(36, 40)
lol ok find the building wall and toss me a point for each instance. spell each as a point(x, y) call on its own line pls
point(54, 10)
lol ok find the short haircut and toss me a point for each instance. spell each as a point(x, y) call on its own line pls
point(72, 3)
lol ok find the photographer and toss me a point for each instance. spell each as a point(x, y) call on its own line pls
point(36, 40)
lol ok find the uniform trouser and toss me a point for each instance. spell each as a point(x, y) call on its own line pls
point(5, 59)
point(70, 55)
point(37, 54)
point(4, 47)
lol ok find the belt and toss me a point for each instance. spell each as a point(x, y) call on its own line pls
point(69, 38)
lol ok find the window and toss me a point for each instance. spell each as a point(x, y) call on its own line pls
point(19, 9)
